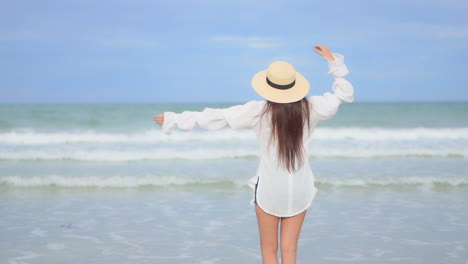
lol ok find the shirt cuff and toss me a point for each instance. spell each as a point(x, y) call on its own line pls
point(338, 68)
point(170, 122)
point(343, 89)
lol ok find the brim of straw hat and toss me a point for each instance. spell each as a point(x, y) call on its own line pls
point(297, 92)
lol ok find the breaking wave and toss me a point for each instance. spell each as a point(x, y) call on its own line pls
point(156, 136)
point(165, 181)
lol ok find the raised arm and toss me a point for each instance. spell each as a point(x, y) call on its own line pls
point(325, 106)
point(237, 116)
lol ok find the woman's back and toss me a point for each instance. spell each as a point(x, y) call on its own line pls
point(279, 192)
point(283, 192)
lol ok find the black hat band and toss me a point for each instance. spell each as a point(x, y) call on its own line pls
point(279, 86)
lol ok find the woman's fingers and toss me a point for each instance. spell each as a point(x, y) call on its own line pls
point(324, 51)
point(319, 49)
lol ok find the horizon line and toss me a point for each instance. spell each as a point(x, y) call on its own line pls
point(223, 102)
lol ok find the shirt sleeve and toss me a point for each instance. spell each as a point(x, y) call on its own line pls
point(325, 106)
point(237, 116)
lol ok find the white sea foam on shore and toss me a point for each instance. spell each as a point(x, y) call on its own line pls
point(210, 153)
point(156, 136)
point(163, 181)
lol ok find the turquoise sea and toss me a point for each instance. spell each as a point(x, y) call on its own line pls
point(101, 183)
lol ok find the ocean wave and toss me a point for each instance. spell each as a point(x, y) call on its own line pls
point(106, 155)
point(156, 136)
point(151, 136)
point(114, 181)
point(165, 181)
point(129, 155)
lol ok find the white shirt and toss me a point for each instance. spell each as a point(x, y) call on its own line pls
point(279, 192)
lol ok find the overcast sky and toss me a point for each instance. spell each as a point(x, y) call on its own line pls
point(208, 50)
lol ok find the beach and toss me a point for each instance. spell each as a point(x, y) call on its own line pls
point(98, 183)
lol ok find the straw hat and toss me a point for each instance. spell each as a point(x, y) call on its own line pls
point(280, 83)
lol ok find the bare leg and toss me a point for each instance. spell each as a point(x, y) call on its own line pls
point(268, 228)
point(290, 230)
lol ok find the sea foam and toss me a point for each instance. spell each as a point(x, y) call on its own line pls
point(157, 136)
point(165, 181)
point(107, 155)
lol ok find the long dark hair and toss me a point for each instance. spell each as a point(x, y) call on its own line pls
point(287, 124)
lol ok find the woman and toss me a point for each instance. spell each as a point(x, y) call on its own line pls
point(283, 188)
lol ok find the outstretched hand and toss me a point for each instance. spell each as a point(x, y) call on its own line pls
point(159, 119)
point(324, 51)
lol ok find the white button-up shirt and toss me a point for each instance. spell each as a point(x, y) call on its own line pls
point(279, 192)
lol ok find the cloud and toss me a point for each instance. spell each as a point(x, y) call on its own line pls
point(433, 30)
point(120, 40)
point(124, 42)
point(402, 74)
point(22, 35)
point(249, 42)
point(454, 33)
